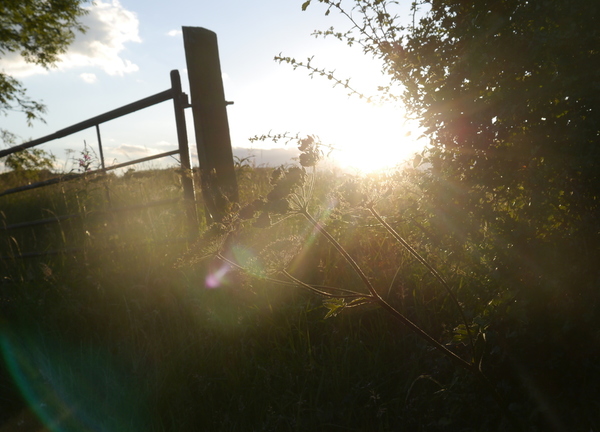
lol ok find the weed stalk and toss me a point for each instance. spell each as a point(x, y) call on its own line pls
point(473, 366)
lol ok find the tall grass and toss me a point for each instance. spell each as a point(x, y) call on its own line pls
point(128, 335)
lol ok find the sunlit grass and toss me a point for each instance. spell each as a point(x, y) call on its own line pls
point(129, 324)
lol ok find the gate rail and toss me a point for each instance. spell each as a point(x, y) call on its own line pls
point(180, 102)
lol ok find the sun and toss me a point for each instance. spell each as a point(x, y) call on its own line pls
point(364, 136)
point(381, 138)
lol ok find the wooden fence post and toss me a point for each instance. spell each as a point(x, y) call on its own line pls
point(211, 127)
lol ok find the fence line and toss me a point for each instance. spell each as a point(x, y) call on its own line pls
point(180, 102)
point(73, 176)
point(94, 121)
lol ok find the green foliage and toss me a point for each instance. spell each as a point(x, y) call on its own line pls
point(512, 111)
point(29, 165)
point(30, 159)
point(13, 97)
point(509, 96)
point(39, 31)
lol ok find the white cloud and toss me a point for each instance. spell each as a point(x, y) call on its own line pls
point(14, 65)
point(174, 33)
point(165, 146)
point(89, 78)
point(110, 27)
point(133, 150)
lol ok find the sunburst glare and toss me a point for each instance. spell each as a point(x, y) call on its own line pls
point(383, 138)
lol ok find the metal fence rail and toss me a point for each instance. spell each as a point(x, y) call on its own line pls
point(180, 102)
point(95, 121)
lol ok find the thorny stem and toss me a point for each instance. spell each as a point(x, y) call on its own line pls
point(468, 366)
point(385, 305)
point(313, 289)
point(372, 39)
point(319, 289)
point(429, 267)
point(322, 72)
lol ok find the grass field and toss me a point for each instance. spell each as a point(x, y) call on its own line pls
point(136, 332)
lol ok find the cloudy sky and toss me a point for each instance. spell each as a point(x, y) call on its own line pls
point(132, 45)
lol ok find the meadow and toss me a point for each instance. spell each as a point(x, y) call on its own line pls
point(138, 327)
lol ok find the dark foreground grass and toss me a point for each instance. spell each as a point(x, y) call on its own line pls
point(121, 336)
point(113, 337)
point(133, 332)
point(170, 354)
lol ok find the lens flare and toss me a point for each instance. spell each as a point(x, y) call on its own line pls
point(71, 388)
point(217, 278)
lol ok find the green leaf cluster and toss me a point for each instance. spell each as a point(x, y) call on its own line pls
point(509, 95)
point(39, 31)
point(30, 159)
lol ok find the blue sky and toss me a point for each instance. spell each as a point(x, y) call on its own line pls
point(131, 46)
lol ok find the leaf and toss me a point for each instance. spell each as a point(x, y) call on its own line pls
point(305, 4)
point(335, 306)
point(360, 301)
point(461, 335)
